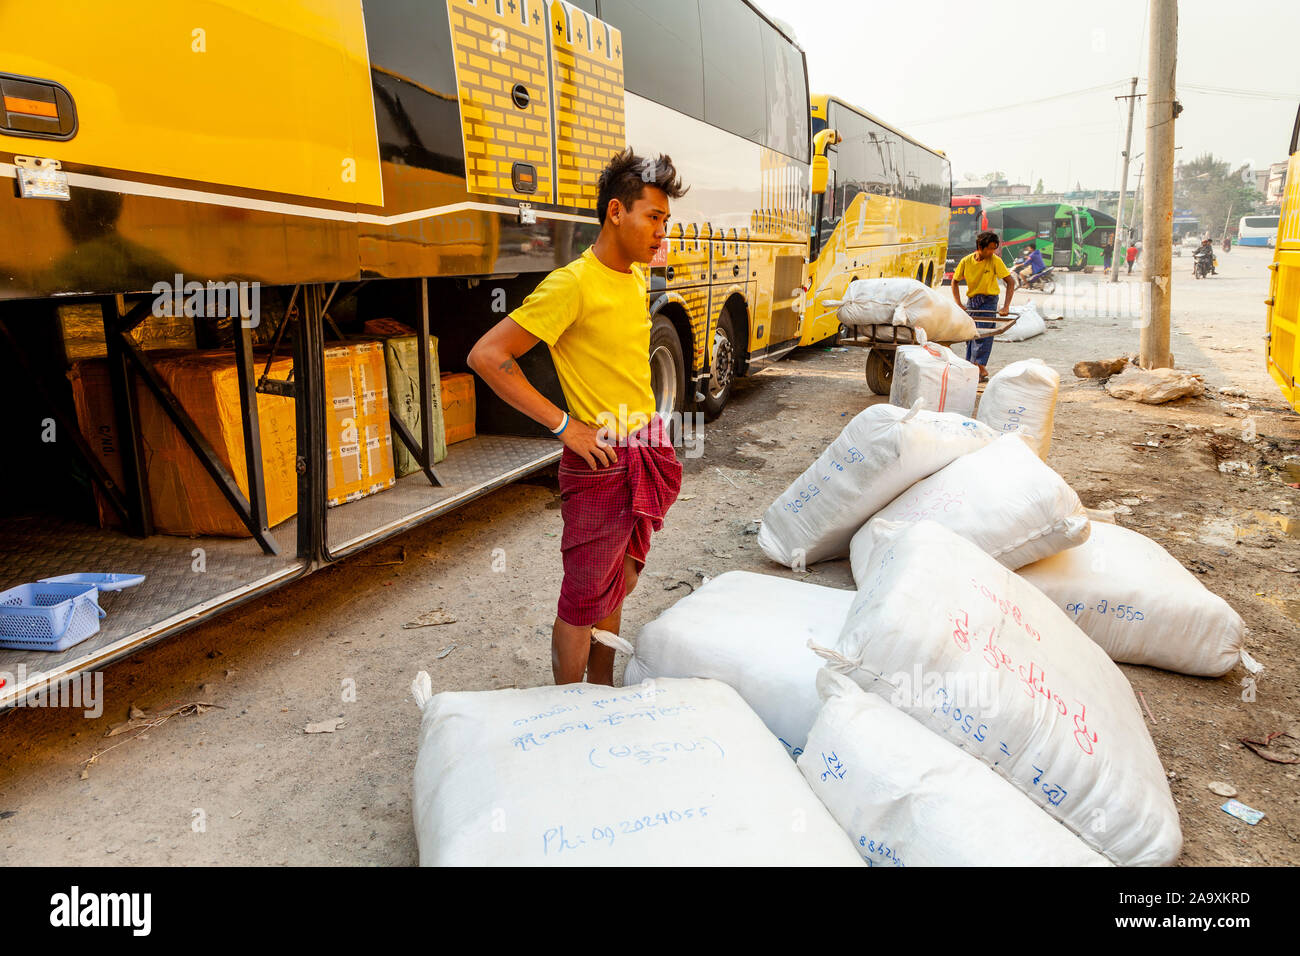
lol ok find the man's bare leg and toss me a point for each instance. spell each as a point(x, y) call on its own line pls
point(600, 662)
point(572, 651)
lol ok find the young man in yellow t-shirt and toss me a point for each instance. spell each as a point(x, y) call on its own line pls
point(618, 473)
point(982, 269)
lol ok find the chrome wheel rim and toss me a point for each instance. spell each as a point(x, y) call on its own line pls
point(720, 377)
point(663, 380)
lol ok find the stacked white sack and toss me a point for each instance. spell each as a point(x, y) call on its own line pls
point(1002, 498)
point(1029, 322)
point(935, 376)
point(750, 631)
point(907, 797)
point(674, 773)
point(1021, 399)
point(904, 302)
point(1134, 599)
point(981, 656)
point(881, 452)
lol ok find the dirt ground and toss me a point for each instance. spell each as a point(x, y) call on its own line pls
point(244, 784)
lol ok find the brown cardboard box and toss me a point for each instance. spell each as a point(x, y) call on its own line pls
point(184, 497)
point(458, 406)
point(360, 447)
point(83, 332)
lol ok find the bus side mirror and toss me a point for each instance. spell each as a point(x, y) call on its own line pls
point(820, 171)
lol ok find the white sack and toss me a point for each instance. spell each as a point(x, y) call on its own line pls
point(1140, 604)
point(750, 631)
point(1029, 322)
point(936, 376)
point(907, 797)
point(882, 451)
point(673, 773)
point(1002, 498)
point(1021, 398)
point(904, 302)
point(984, 658)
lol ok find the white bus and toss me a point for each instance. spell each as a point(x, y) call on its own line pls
point(1256, 230)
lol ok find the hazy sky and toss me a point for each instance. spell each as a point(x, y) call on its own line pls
point(922, 65)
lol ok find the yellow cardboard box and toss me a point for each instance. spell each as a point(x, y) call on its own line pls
point(458, 407)
point(360, 447)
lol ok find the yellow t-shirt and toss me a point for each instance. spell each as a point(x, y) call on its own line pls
point(981, 277)
point(596, 323)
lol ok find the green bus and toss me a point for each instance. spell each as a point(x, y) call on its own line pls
point(1069, 237)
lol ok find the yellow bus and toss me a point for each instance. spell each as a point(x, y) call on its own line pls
point(1283, 301)
point(883, 212)
point(332, 173)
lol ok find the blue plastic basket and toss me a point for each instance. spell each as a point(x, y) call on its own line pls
point(104, 580)
point(48, 616)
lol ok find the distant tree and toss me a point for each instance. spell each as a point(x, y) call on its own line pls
point(995, 177)
point(1038, 190)
point(1215, 192)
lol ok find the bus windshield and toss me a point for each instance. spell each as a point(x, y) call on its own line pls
point(961, 233)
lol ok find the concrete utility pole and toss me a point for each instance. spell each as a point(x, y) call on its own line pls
point(1158, 206)
point(1115, 257)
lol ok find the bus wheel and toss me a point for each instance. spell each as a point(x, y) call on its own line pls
point(880, 371)
point(722, 367)
point(667, 369)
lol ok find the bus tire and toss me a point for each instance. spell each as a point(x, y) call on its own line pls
point(880, 371)
point(722, 367)
point(667, 369)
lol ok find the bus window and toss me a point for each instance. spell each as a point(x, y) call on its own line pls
point(734, 85)
point(787, 122)
point(661, 51)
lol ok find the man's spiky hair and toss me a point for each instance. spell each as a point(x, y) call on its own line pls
point(628, 174)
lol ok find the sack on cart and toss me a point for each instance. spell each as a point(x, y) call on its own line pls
point(904, 302)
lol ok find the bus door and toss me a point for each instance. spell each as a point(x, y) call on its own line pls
point(1062, 241)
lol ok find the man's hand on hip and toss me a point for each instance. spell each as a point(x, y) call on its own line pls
point(589, 443)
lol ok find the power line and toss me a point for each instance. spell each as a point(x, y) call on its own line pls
point(1228, 91)
point(1014, 106)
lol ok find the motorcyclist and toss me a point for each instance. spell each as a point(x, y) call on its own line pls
point(1032, 266)
point(1206, 249)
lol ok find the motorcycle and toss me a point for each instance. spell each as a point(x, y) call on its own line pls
point(1204, 264)
point(1040, 282)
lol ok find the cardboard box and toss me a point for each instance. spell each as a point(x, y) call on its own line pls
point(458, 406)
point(359, 456)
point(184, 497)
point(403, 362)
point(83, 332)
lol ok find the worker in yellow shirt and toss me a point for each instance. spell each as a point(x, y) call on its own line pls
point(982, 269)
point(618, 473)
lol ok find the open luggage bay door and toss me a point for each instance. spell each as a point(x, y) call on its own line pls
point(541, 97)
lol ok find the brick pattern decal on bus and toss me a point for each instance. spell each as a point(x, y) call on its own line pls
point(588, 82)
point(784, 211)
point(498, 45)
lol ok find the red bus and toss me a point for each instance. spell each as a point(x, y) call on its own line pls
point(965, 223)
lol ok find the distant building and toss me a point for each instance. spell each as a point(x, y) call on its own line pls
point(1275, 184)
